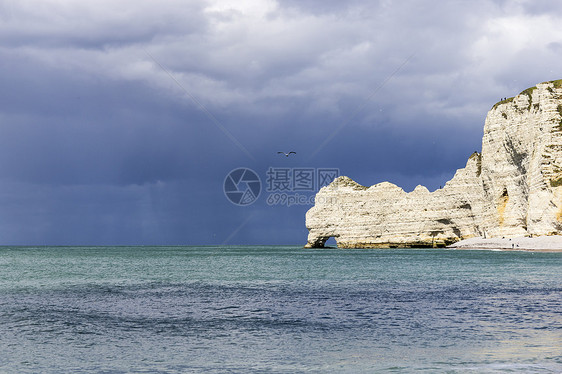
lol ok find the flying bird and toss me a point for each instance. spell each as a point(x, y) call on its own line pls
point(287, 154)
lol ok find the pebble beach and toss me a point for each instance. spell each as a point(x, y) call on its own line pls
point(539, 243)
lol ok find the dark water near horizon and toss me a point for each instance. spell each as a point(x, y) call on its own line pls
point(278, 310)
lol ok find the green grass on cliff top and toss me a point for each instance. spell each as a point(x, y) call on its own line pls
point(557, 83)
point(509, 99)
point(528, 92)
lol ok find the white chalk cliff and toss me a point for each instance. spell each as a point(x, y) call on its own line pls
point(513, 188)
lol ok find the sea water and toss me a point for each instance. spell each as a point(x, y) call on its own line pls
point(278, 310)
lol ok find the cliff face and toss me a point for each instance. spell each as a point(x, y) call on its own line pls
point(513, 188)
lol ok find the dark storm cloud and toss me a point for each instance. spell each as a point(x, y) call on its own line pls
point(100, 144)
point(98, 24)
point(66, 129)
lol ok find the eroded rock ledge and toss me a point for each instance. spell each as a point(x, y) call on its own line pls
point(512, 189)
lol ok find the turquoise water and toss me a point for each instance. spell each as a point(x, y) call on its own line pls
point(278, 310)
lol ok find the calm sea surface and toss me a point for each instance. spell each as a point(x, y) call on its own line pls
point(278, 310)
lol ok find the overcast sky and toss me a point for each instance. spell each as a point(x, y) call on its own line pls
point(120, 120)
